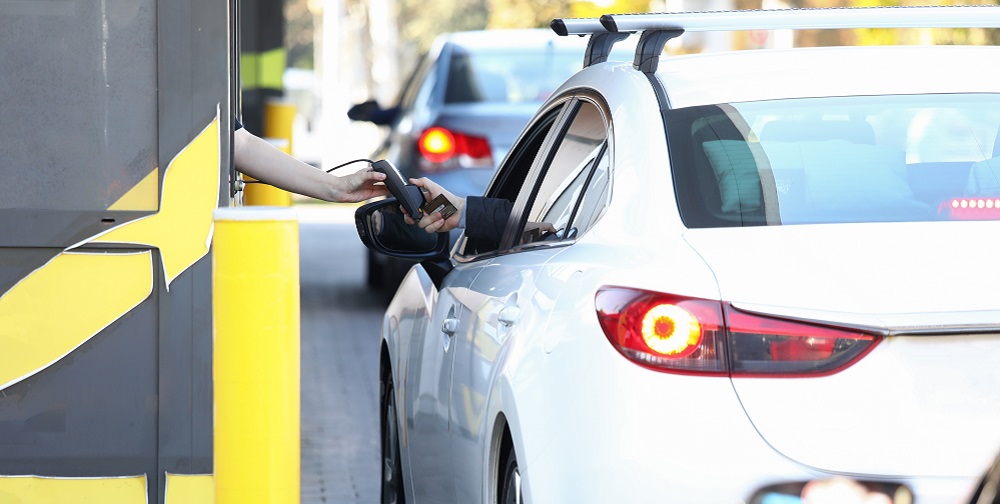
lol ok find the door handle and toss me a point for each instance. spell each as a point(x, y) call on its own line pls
point(509, 316)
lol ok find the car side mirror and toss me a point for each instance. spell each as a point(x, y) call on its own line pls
point(371, 111)
point(382, 228)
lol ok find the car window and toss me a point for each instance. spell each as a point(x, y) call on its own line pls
point(420, 107)
point(580, 162)
point(415, 83)
point(512, 175)
point(595, 198)
point(509, 74)
point(837, 160)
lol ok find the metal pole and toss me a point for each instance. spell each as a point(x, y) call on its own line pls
point(255, 301)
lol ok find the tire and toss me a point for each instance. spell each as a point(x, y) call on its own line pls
point(392, 470)
point(510, 492)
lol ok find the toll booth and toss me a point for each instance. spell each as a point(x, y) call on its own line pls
point(114, 152)
point(262, 58)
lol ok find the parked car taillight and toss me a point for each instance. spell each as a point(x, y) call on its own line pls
point(699, 336)
point(443, 149)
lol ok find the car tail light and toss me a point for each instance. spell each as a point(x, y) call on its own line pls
point(662, 331)
point(699, 336)
point(765, 346)
point(445, 149)
point(971, 208)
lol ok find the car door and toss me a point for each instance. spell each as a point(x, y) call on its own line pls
point(428, 383)
point(510, 297)
point(429, 368)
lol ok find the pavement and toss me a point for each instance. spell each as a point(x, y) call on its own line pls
point(339, 337)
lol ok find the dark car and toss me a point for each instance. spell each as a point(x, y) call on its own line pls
point(461, 110)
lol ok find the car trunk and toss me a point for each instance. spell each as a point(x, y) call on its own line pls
point(926, 400)
point(499, 122)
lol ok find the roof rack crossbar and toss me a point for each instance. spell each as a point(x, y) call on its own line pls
point(599, 46)
point(658, 28)
point(964, 16)
point(576, 26)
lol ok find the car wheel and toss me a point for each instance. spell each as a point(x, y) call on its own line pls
point(392, 471)
point(510, 493)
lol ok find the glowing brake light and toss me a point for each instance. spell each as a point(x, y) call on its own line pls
point(670, 330)
point(971, 208)
point(663, 332)
point(699, 336)
point(444, 149)
point(437, 145)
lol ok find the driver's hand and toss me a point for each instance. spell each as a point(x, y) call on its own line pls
point(435, 223)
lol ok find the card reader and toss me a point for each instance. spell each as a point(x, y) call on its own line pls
point(408, 195)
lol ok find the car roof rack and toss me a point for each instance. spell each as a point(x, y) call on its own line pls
point(658, 28)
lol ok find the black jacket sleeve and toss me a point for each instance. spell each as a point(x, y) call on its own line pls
point(486, 217)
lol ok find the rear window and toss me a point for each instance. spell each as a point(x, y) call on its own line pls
point(511, 75)
point(837, 160)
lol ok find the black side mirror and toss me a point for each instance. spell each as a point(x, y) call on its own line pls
point(371, 111)
point(382, 228)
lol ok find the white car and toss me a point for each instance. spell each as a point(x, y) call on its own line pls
point(766, 266)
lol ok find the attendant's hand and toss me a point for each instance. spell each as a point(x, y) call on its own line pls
point(360, 186)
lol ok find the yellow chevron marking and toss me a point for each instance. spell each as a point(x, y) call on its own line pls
point(67, 301)
point(182, 229)
point(144, 196)
point(190, 489)
point(64, 303)
point(43, 490)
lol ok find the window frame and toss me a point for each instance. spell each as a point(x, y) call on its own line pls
point(526, 199)
point(515, 172)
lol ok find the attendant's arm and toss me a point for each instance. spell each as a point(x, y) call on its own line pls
point(259, 159)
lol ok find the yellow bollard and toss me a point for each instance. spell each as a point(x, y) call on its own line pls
point(279, 116)
point(255, 304)
point(267, 195)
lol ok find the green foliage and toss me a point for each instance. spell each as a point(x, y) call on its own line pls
point(526, 13)
point(422, 20)
point(949, 36)
point(593, 10)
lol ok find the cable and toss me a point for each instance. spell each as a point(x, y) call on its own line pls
point(369, 161)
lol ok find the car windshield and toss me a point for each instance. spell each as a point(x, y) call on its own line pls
point(837, 159)
point(512, 75)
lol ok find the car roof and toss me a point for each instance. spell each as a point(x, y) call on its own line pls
point(753, 75)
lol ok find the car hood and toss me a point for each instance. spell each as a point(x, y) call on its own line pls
point(926, 400)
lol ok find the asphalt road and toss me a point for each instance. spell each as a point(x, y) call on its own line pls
point(340, 323)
